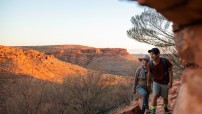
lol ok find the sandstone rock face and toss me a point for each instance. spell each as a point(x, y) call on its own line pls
point(189, 44)
point(189, 100)
point(133, 109)
point(35, 63)
point(115, 61)
point(179, 11)
point(83, 57)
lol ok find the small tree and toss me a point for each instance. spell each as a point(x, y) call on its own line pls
point(87, 93)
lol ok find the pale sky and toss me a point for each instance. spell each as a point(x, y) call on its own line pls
point(96, 23)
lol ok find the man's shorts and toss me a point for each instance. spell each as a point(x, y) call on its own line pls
point(160, 90)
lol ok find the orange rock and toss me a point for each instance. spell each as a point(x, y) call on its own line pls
point(132, 109)
point(179, 11)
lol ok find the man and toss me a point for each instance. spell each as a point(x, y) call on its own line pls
point(160, 72)
point(140, 83)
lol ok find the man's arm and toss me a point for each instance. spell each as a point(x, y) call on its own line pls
point(149, 77)
point(149, 80)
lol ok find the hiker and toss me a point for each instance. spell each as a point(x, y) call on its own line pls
point(160, 73)
point(140, 84)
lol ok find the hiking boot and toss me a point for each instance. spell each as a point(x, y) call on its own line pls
point(166, 110)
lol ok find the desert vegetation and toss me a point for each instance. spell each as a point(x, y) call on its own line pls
point(89, 94)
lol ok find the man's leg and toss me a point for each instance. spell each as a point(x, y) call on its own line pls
point(156, 90)
point(154, 103)
point(164, 94)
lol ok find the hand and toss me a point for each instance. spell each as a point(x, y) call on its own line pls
point(149, 87)
point(170, 85)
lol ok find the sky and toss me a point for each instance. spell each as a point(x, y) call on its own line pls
point(96, 23)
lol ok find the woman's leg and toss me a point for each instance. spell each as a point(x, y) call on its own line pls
point(145, 99)
point(145, 95)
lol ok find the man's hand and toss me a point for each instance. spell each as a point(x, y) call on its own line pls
point(170, 85)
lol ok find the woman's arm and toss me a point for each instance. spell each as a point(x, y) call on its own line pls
point(136, 79)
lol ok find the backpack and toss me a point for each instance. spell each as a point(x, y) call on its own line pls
point(165, 66)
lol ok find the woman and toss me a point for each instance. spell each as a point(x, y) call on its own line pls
point(140, 84)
